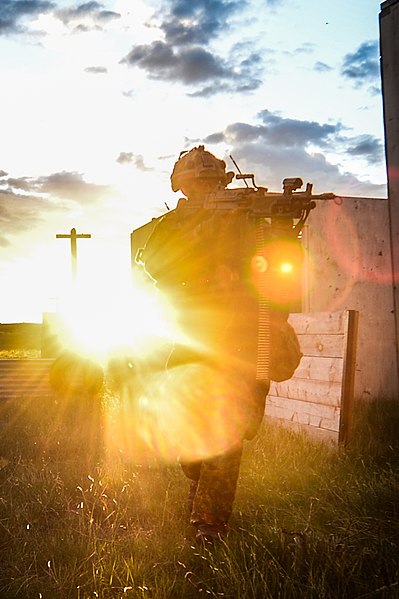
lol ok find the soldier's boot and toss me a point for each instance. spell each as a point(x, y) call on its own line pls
point(208, 534)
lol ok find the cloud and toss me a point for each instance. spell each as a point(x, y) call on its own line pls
point(194, 66)
point(136, 160)
point(13, 13)
point(322, 67)
point(190, 23)
point(362, 67)
point(79, 18)
point(368, 147)
point(306, 48)
point(184, 53)
point(71, 186)
point(63, 185)
point(161, 61)
point(96, 70)
point(20, 212)
point(86, 17)
point(25, 202)
point(278, 131)
point(277, 147)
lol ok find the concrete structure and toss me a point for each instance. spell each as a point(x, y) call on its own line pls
point(348, 267)
point(389, 49)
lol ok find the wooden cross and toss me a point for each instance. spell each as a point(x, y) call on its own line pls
point(73, 236)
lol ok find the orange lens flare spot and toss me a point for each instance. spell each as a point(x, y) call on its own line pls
point(286, 267)
point(259, 264)
point(280, 261)
point(191, 412)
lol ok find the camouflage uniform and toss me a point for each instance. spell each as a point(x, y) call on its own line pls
point(213, 488)
point(203, 260)
point(221, 317)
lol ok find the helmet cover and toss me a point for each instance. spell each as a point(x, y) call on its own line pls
point(198, 163)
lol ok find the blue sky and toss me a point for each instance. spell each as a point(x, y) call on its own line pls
point(99, 98)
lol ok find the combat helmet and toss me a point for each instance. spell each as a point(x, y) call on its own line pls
point(198, 164)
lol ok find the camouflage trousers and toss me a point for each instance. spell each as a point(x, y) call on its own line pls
point(213, 487)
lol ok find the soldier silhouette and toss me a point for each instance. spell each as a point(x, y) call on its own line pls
point(202, 260)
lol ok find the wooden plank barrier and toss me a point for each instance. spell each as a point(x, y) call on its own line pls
point(25, 377)
point(319, 397)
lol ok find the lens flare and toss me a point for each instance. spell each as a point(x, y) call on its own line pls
point(277, 270)
point(286, 267)
point(192, 412)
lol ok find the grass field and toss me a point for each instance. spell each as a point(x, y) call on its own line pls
point(83, 518)
point(20, 336)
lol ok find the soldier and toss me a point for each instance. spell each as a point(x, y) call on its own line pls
point(202, 260)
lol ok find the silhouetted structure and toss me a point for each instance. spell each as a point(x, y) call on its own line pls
point(73, 236)
point(389, 50)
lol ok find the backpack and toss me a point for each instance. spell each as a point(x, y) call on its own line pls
point(285, 351)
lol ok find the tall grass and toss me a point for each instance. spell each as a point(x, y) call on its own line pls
point(80, 520)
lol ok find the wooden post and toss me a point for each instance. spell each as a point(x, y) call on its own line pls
point(73, 236)
point(348, 378)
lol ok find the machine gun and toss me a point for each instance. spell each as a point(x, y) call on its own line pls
point(281, 216)
point(289, 208)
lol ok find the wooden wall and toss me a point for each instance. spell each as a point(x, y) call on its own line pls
point(319, 397)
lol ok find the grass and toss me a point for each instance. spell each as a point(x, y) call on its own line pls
point(20, 336)
point(20, 353)
point(81, 518)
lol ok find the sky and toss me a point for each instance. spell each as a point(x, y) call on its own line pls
point(98, 99)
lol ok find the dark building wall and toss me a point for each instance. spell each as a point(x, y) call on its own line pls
point(389, 50)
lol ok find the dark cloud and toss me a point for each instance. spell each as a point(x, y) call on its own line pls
point(363, 66)
point(63, 185)
point(184, 54)
point(20, 212)
point(136, 160)
point(279, 147)
point(80, 18)
point(13, 13)
point(368, 147)
point(86, 17)
point(286, 132)
point(96, 70)
point(25, 202)
point(185, 22)
point(194, 66)
point(190, 66)
point(71, 186)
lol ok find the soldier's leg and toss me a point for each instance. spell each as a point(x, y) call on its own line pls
point(215, 493)
point(192, 470)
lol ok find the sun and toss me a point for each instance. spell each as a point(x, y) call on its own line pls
point(103, 321)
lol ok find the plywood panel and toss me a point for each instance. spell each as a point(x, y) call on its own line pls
point(312, 414)
point(352, 269)
point(317, 392)
point(326, 346)
point(320, 369)
point(319, 395)
point(318, 322)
